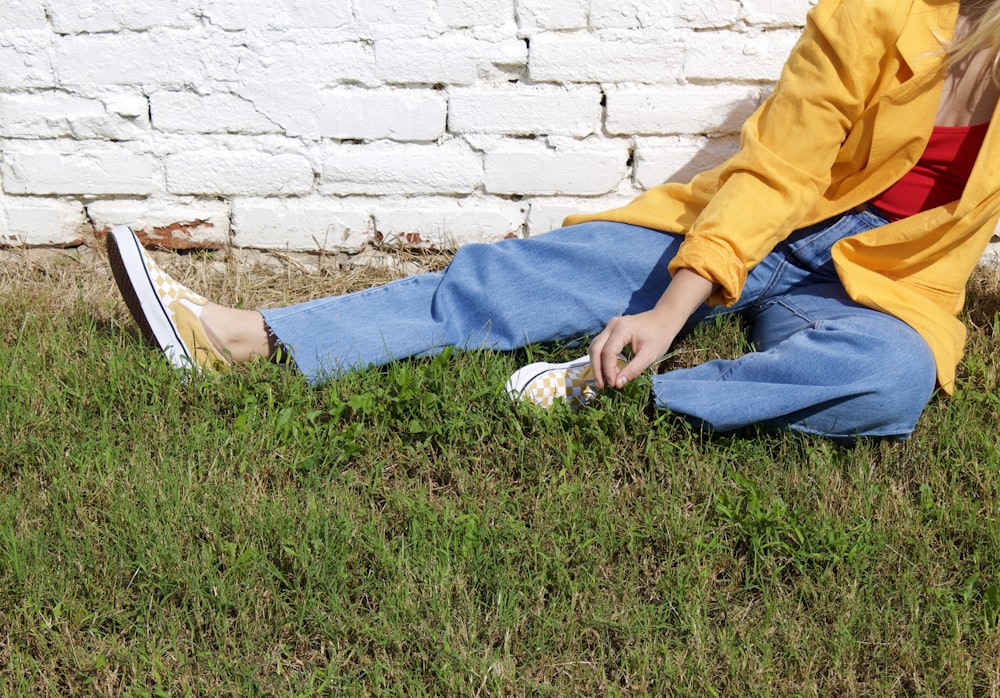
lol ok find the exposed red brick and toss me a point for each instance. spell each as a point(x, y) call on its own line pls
point(182, 235)
point(415, 240)
point(406, 240)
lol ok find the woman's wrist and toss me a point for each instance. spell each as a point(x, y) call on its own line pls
point(685, 293)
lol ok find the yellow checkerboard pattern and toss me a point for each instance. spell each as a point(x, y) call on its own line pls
point(168, 289)
point(574, 385)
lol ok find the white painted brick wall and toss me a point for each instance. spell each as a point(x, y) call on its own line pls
point(526, 111)
point(687, 109)
point(321, 125)
point(383, 169)
point(587, 168)
point(75, 168)
point(302, 224)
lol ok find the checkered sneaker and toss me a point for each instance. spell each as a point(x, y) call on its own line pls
point(544, 384)
point(168, 290)
point(167, 313)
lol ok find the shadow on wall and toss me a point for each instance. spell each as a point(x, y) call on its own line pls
point(658, 160)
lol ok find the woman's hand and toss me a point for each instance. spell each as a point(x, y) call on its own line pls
point(649, 334)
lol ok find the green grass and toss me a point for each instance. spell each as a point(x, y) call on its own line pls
point(406, 531)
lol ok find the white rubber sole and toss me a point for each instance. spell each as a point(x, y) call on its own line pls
point(544, 383)
point(138, 289)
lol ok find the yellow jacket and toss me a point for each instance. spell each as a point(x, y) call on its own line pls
point(851, 113)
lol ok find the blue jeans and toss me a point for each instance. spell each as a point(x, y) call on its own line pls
point(823, 364)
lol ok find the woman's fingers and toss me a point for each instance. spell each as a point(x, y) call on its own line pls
point(647, 339)
point(607, 347)
point(597, 358)
point(649, 333)
point(641, 360)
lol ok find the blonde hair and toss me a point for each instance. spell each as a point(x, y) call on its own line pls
point(983, 33)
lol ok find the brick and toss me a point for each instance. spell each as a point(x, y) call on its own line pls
point(443, 93)
point(677, 159)
point(23, 14)
point(68, 168)
point(175, 224)
point(452, 60)
point(214, 172)
point(161, 58)
point(305, 57)
point(392, 12)
point(537, 169)
point(277, 14)
point(211, 113)
point(645, 14)
point(381, 169)
point(289, 106)
point(358, 114)
point(689, 109)
point(646, 57)
point(732, 56)
point(547, 214)
point(305, 225)
point(533, 15)
point(61, 115)
point(126, 104)
point(475, 13)
point(526, 111)
point(708, 14)
point(32, 222)
point(26, 60)
point(776, 13)
point(447, 223)
point(350, 113)
point(90, 16)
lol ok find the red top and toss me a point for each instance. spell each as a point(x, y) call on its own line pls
point(940, 175)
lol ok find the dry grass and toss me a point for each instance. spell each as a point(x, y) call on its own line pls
point(983, 296)
point(241, 278)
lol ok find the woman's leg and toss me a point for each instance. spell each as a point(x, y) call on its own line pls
point(241, 335)
point(823, 365)
point(563, 285)
point(560, 286)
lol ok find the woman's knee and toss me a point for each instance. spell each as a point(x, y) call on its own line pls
point(894, 375)
point(899, 361)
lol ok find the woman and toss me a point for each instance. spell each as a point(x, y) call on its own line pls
point(864, 192)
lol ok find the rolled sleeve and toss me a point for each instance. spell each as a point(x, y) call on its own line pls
point(789, 145)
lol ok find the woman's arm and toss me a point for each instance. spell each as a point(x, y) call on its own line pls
point(789, 145)
point(650, 334)
point(783, 166)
